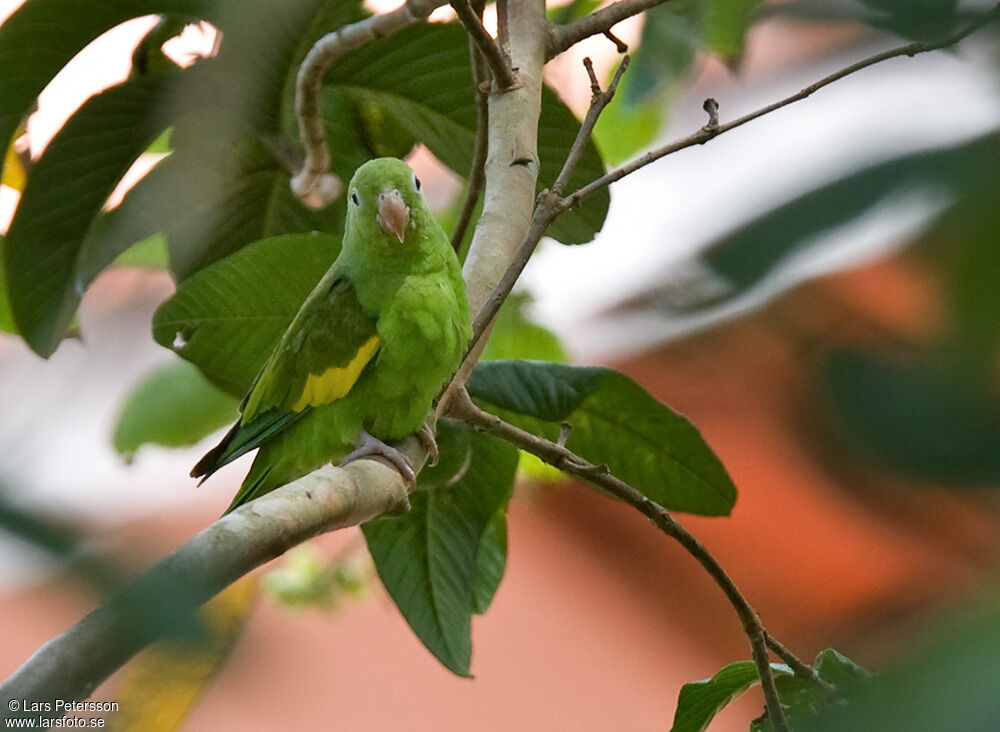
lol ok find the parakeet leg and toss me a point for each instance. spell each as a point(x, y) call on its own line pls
point(368, 445)
point(426, 436)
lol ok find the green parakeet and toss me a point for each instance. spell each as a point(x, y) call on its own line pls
point(369, 349)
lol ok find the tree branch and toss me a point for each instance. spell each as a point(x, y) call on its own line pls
point(474, 184)
point(714, 129)
point(503, 77)
point(73, 664)
point(562, 37)
point(313, 184)
point(462, 408)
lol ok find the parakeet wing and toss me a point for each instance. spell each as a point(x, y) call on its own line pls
point(317, 361)
point(320, 356)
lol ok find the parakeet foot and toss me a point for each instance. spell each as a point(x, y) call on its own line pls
point(426, 436)
point(368, 445)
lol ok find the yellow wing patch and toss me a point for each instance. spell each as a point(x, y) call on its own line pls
point(336, 381)
point(13, 171)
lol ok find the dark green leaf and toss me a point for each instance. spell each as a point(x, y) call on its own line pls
point(671, 36)
point(491, 562)
point(227, 318)
point(515, 336)
point(700, 701)
point(614, 422)
point(726, 24)
point(66, 189)
point(421, 77)
point(41, 36)
point(914, 417)
point(947, 681)
point(427, 558)
point(173, 406)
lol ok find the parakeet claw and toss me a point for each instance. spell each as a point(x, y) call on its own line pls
point(426, 436)
point(368, 445)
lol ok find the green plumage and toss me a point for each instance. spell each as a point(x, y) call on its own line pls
point(370, 347)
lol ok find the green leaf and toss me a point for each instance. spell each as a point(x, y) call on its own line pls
point(421, 77)
point(149, 253)
point(427, 558)
point(914, 417)
point(514, 335)
point(227, 318)
point(614, 422)
point(945, 681)
point(41, 36)
point(65, 191)
point(726, 24)
point(173, 406)
point(491, 562)
point(225, 184)
point(700, 701)
point(760, 247)
point(6, 316)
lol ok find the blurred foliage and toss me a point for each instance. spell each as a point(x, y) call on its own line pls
point(801, 700)
point(158, 689)
point(173, 406)
point(614, 422)
point(7, 324)
point(922, 20)
point(306, 578)
point(514, 335)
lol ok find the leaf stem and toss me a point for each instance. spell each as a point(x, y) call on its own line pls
point(462, 408)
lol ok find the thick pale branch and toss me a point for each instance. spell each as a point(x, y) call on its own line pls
point(714, 129)
point(313, 184)
point(600, 22)
point(73, 664)
point(462, 408)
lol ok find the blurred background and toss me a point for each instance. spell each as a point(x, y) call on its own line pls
point(817, 291)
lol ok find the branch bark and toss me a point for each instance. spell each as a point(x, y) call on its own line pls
point(313, 184)
point(600, 22)
point(73, 664)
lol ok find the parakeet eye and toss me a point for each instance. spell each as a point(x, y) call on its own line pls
point(416, 182)
point(354, 198)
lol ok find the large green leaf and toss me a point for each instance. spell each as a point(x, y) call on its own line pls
point(421, 76)
point(914, 417)
point(747, 257)
point(173, 406)
point(225, 185)
point(65, 191)
point(614, 422)
point(700, 701)
point(41, 36)
point(491, 562)
point(227, 318)
point(427, 558)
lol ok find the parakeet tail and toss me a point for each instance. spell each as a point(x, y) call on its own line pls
point(243, 438)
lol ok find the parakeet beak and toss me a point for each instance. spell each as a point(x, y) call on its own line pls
point(393, 213)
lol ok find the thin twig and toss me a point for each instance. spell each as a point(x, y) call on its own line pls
point(503, 77)
point(620, 45)
point(313, 184)
point(462, 408)
point(561, 37)
point(474, 186)
point(711, 131)
point(798, 666)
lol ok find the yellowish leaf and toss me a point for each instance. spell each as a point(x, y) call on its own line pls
point(13, 170)
point(161, 686)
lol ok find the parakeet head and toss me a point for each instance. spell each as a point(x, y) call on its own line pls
point(384, 202)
